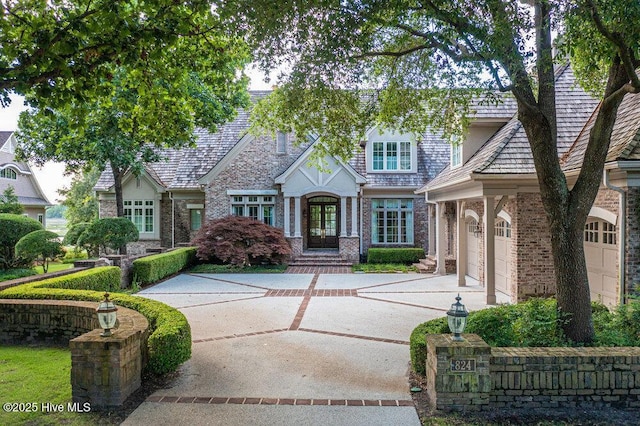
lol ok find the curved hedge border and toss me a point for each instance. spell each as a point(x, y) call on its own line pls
point(150, 269)
point(169, 341)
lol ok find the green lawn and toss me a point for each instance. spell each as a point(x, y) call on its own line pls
point(37, 379)
point(54, 266)
point(383, 268)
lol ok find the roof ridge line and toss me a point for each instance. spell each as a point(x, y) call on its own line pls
point(565, 157)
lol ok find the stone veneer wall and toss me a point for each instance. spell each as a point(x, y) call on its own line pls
point(471, 376)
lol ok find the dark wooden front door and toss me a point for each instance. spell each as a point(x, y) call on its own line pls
point(323, 222)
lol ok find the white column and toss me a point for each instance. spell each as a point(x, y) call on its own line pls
point(297, 215)
point(461, 245)
point(441, 242)
point(432, 230)
point(354, 216)
point(287, 216)
point(489, 250)
point(343, 216)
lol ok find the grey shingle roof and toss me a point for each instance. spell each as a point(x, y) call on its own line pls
point(508, 151)
point(4, 136)
point(181, 168)
point(625, 138)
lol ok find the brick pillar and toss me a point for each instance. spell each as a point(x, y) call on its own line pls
point(458, 373)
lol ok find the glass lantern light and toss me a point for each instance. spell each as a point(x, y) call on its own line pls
point(106, 315)
point(457, 317)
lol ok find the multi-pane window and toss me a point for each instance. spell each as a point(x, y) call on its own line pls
point(8, 174)
point(196, 219)
point(258, 207)
point(281, 143)
point(140, 212)
point(456, 154)
point(608, 233)
point(392, 221)
point(503, 229)
point(391, 156)
point(591, 232)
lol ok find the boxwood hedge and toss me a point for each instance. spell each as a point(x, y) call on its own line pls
point(395, 255)
point(151, 269)
point(169, 343)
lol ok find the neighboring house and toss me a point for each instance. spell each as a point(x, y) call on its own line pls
point(509, 249)
point(342, 208)
point(19, 175)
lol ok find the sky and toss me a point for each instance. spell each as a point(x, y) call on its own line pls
point(51, 176)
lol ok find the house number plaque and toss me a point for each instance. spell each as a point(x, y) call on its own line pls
point(463, 365)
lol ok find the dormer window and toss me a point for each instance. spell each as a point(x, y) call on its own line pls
point(8, 174)
point(390, 156)
point(456, 154)
point(281, 143)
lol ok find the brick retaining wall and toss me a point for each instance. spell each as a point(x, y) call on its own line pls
point(529, 377)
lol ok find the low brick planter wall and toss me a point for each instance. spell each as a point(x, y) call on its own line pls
point(470, 376)
point(104, 370)
point(567, 377)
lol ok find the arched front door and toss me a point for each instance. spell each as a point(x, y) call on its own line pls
point(322, 222)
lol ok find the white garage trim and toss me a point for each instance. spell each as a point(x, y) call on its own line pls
point(470, 213)
point(504, 215)
point(604, 214)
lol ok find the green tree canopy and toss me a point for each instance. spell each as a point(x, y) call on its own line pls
point(58, 51)
point(12, 228)
point(109, 232)
point(79, 198)
point(196, 81)
point(411, 64)
point(9, 202)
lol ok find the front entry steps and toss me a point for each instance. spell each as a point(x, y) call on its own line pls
point(320, 258)
point(429, 265)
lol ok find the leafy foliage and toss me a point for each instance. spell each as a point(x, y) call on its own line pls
point(56, 52)
point(41, 246)
point(56, 212)
point(395, 255)
point(9, 202)
point(169, 343)
point(12, 228)
point(79, 199)
point(109, 232)
point(73, 234)
point(150, 269)
point(535, 323)
point(241, 241)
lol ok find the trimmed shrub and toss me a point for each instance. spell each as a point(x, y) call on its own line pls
point(40, 246)
point(169, 343)
point(151, 269)
point(418, 342)
point(241, 241)
point(395, 255)
point(110, 232)
point(12, 228)
point(73, 234)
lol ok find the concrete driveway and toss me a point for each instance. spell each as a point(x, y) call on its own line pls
point(298, 349)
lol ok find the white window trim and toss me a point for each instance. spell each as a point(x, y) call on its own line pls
point(144, 206)
point(262, 201)
point(410, 236)
point(281, 149)
point(456, 155)
point(413, 152)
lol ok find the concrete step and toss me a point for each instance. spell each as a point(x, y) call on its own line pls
point(425, 269)
point(320, 259)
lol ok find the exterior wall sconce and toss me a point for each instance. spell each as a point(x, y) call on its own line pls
point(457, 318)
point(477, 230)
point(106, 315)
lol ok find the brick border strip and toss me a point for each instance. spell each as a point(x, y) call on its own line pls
point(281, 401)
point(355, 336)
point(235, 336)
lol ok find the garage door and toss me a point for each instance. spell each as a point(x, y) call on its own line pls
point(472, 249)
point(601, 249)
point(502, 250)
